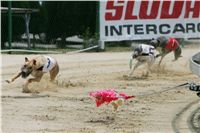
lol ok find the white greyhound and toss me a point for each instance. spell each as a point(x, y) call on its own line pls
point(143, 53)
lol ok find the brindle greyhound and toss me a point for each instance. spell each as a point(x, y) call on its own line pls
point(166, 45)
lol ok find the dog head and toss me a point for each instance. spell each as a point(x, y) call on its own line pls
point(155, 42)
point(28, 67)
point(137, 51)
point(135, 54)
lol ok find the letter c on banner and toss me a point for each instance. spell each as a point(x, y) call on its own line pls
point(161, 29)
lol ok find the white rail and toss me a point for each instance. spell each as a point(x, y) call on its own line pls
point(195, 64)
point(83, 50)
point(48, 52)
point(29, 51)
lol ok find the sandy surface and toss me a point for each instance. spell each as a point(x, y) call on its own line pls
point(69, 108)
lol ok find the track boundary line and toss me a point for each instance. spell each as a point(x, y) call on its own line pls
point(22, 97)
point(177, 117)
point(190, 121)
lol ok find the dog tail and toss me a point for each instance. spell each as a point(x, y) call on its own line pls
point(131, 63)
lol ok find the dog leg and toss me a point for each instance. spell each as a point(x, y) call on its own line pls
point(164, 53)
point(151, 62)
point(133, 69)
point(158, 55)
point(15, 77)
point(25, 86)
point(161, 60)
point(148, 70)
point(162, 56)
point(54, 72)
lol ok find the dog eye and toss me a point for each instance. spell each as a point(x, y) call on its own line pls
point(24, 65)
point(30, 67)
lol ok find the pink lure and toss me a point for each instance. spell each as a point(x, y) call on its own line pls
point(107, 96)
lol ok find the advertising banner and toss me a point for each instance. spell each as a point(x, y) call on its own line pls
point(140, 20)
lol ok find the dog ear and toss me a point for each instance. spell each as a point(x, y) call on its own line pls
point(34, 62)
point(158, 41)
point(26, 59)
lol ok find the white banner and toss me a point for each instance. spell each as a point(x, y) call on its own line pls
point(139, 20)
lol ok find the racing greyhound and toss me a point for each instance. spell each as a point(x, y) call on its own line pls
point(36, 67)
point(166, 45)
point(143, 53)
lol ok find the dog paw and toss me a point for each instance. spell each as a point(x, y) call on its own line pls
point(146, 75)
point(25, 89)
point(8, 81)
point(125, 76)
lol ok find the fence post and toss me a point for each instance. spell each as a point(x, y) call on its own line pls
point(100, 43)
point(27, 20)
point(9, 24)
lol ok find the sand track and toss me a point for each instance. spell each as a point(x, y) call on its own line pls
point(68, 108)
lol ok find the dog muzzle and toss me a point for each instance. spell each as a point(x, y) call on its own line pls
point(154, 43)
point(25, 74)
point(135, 54)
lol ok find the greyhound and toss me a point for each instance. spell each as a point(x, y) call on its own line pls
point(166, 45)
point(143, 53)
point(37, 67)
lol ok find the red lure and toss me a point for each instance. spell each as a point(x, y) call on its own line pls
point(107, 96)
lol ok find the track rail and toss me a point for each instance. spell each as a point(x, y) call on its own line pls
point(195, 64)
point(30, 51)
